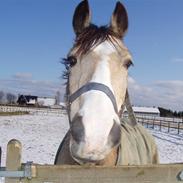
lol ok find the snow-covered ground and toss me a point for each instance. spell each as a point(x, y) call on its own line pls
point(170, 145)
point(41, 135)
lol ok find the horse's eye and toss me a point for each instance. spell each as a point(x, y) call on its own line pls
point(72, 60)
point(128, 63)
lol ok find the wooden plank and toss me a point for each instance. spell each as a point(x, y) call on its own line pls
point(118, 174)
point(13, 158)
point(178, 131)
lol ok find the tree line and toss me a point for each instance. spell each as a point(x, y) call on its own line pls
point(169, 113)
point(8, 98)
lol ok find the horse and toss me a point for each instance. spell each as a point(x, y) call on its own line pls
point(97, 77)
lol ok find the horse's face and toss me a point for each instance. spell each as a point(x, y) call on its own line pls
point(98, 56)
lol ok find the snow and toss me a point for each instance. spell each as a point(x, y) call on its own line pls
point(41, 135)
point(170, 145)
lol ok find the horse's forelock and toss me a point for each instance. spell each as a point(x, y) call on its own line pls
point(93, 36)
point(89, 38)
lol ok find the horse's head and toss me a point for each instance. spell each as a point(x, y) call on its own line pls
point(98, 72)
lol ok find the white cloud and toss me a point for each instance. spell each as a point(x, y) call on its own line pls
point(25, 85)
point(177, 60)
point(166, 94)
point(22, 76)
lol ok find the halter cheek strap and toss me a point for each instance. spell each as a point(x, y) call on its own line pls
point(95, 86)
point(105, 89)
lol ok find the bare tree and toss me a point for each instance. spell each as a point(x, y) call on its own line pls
point(57, 98)
point(11, 98)
point(1, 96)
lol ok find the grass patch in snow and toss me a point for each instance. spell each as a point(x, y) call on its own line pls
point(13, 113)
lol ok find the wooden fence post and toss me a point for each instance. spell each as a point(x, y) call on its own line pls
point(153, 122)
point(142, 121)
point(178, 127)
point(0, 155)
point(160, 126)
point(169, 127)
point(13, 159)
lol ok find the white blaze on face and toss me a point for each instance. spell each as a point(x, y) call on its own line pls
point(97, 111)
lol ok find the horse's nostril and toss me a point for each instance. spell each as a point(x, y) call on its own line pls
point(115, 134)
point(77, 129)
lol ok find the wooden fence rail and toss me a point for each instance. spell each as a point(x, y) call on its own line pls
point(152, 122)
point(33, 110)
point(172, 173)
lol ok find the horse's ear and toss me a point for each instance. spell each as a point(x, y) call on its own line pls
point(119, 21)
point(81, 18)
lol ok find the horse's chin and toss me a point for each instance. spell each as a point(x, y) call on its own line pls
point(86, 162)
point(87, 159)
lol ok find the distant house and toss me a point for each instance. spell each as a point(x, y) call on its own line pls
point(145, 111)
point(46, 101)
point(27, 100)
point(36, 101)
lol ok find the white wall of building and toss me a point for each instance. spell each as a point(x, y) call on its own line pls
point(32, 101)
point(47, 102)
point(145, 111)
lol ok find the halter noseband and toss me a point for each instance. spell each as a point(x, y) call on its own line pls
point(94, 86)
point(105, 89)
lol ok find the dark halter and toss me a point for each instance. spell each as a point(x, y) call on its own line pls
point(89, 87)
point(94, 86)
point(105, 89)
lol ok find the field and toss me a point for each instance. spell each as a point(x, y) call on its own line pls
point(41, 135)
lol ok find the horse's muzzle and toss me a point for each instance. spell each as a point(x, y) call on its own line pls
point(84, 151)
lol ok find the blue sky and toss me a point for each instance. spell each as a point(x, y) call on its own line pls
point(35, 34)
